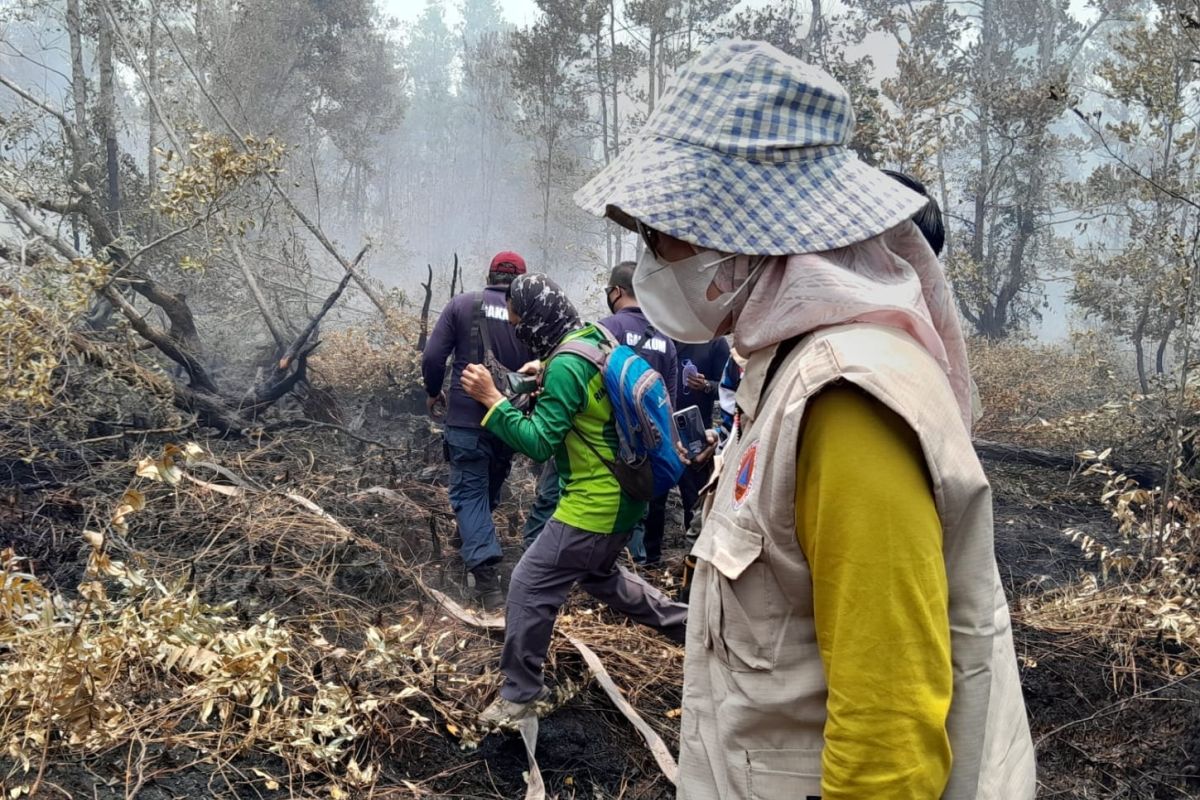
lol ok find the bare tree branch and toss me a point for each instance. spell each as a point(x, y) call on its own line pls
point(165, 342)
point(174, 305)
point(173, 344)
point(26, 253)
point(301, 341)
point(256, 292)
point(1124, 163)
point(428, 286)
point(68, 127)
point(19, 210)
point(312, 227)
point(292, 367)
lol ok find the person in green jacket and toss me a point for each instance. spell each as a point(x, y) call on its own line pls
point(573, 423)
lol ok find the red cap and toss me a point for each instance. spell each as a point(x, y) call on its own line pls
point(508, 262)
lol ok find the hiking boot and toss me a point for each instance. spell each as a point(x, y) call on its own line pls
point(487, 587)
point(505, 713)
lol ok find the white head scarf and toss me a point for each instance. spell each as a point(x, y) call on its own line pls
point(893, 279)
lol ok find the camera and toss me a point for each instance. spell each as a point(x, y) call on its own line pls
point(519, 383)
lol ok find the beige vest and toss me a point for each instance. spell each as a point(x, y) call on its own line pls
point(754, 689)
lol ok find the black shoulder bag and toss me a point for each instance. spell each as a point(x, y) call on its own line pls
point(481, 334)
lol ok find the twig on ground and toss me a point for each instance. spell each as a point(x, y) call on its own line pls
point(303, 422)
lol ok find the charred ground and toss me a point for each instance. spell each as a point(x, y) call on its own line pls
point(1112, 717)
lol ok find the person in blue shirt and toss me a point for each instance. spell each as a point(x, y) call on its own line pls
point(629, 325)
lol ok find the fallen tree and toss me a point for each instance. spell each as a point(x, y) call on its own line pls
point(1147, 475)
point(122, 279)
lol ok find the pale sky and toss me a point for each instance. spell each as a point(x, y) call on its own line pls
point(518, 12)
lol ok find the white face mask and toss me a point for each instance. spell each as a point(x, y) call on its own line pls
point(674, 295)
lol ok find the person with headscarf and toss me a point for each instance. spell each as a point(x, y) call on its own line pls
point(573, 423)
point(848, 634)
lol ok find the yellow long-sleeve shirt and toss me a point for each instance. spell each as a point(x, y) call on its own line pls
point(868, 525)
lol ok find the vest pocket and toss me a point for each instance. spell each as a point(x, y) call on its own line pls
point(777, 774)
point(744, 615)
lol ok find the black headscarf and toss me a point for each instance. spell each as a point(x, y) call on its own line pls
point(547, 314)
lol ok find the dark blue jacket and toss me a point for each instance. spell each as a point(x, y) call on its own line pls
point(452, 334)
point(628, 326)
point(709, 359)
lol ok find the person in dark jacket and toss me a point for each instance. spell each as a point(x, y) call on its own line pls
point(479, 462)
point(629, 325)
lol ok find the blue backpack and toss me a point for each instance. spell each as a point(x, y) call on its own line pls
point(648, 463)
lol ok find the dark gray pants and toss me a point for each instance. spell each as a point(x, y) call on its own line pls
point(559, 557)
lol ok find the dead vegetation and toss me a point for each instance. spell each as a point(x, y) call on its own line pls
point(260, 614)
point(227, 562)
point(265, 619)
point(1102, 565)
point(261, 617)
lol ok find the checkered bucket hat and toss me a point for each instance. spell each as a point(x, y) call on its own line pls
point(747, 152)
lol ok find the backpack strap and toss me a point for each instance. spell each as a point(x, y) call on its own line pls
point(594, 354)
point(608, 337)
point(479, 327)
point(647, 334)
point(631, 478)
point(611, 466)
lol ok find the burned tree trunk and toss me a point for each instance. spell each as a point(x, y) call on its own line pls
point(181, 342)
point(428, 286)
point(107, 121)
point(151, 112)
point(78, 81)
point(99, 209)
point(259, 299)
point(292, 367)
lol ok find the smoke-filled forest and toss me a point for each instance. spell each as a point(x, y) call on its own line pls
point(230, 564)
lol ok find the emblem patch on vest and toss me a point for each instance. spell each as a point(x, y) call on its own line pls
point(743, 483)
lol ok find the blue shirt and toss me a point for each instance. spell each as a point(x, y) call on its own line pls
point(707, 359)
point(628, 326)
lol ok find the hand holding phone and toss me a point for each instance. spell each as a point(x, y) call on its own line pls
point(692, 435)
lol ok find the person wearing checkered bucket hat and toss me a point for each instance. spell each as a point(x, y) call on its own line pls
point(848, 633)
